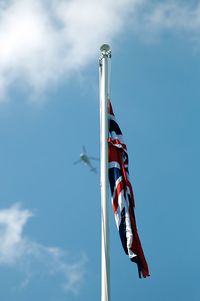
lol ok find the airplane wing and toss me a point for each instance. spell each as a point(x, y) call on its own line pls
point(93, 169)
point(94, 158)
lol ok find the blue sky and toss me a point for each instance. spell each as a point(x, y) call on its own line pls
point(49, 108)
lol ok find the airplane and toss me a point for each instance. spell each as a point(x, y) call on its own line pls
point(87, 160)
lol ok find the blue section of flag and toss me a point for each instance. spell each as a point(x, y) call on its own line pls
point(114, 174)
point(114, 127)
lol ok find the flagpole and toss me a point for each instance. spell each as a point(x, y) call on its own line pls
point(105, 243)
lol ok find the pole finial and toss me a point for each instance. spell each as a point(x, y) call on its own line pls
point(105, 47)
point(105, 50)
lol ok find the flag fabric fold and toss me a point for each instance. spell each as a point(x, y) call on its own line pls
point(122, 196)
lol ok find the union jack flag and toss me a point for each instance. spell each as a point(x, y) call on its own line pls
point(122, 196)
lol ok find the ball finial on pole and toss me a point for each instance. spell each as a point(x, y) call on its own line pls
point(105, 47)
point(105, 50)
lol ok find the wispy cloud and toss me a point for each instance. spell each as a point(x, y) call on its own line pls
point(33, 259)
point(42, 41)
point(173, 15)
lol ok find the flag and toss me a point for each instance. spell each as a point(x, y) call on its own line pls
point(122, 196)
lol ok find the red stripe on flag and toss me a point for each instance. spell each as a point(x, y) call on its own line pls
point(117, 192)
point(137, 247)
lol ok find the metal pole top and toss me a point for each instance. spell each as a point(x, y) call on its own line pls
point(105, 50)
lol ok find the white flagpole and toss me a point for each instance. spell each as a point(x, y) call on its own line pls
point(105, 244)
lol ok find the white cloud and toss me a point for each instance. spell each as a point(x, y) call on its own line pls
point(33, 259)
point(42, 41)
point(12, 245)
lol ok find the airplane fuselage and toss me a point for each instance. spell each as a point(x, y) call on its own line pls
point(85, 159)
